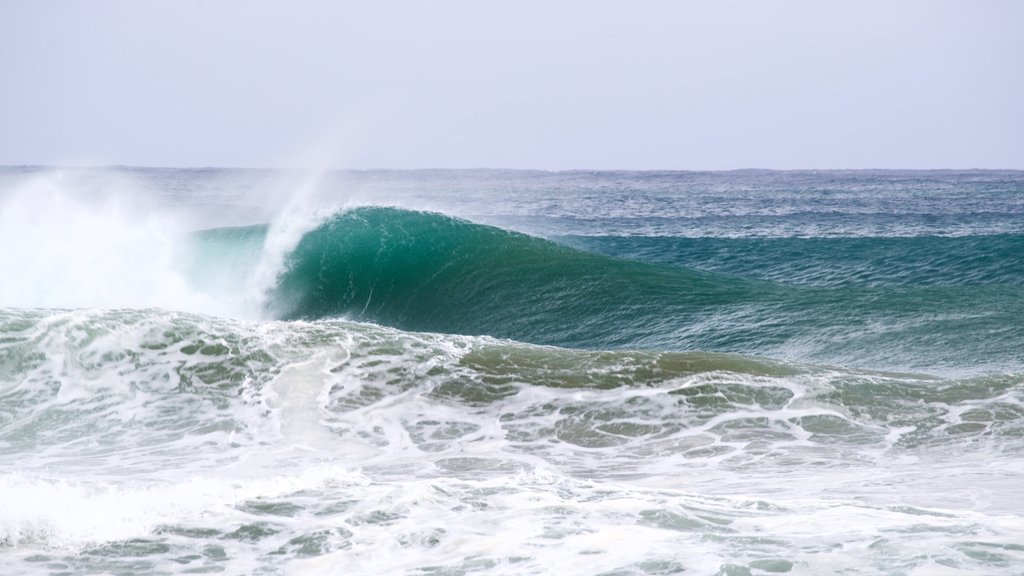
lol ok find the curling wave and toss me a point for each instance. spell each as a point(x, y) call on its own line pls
point(430, 272)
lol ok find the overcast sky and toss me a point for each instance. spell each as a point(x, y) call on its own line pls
point(519, 84)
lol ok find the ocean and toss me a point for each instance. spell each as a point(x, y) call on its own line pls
point(448, 372)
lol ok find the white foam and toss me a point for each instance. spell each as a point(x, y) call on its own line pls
point(69, 514)
point(69, 242)
point(298, 394)
point(298, 216)
point(104, 240)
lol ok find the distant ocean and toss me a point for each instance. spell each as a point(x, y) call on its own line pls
point(511, 372)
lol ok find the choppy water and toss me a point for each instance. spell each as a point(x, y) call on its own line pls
point(481, 372)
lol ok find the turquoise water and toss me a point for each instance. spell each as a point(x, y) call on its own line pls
point(502, 372)
point(841, 300)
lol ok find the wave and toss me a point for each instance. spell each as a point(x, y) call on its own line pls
point(429, 272)
point(832, 262)
point(944, 305)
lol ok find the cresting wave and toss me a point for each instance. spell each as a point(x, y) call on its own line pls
point(430, 272)
point(889, 303)
point(927, 260)
point(426, 271)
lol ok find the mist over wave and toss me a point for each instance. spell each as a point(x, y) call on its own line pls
point(110, 239)
point(87, 249)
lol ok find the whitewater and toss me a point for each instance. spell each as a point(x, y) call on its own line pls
point(447, 372)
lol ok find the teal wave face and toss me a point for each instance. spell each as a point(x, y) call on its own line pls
point(886, 303)
point(833, 262)
point(429, 272)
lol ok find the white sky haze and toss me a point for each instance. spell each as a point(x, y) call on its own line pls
point(525, 84)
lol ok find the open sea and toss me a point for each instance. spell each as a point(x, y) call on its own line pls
point(440, 373)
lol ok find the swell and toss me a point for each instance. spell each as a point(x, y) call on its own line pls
point(430, 272)
point(832, 300)
point(832, 262)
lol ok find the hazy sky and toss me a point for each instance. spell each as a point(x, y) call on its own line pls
point(518, 84)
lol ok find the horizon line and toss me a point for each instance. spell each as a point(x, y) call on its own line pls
point(485, 169)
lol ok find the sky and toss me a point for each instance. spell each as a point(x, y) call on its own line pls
point(589, 84)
